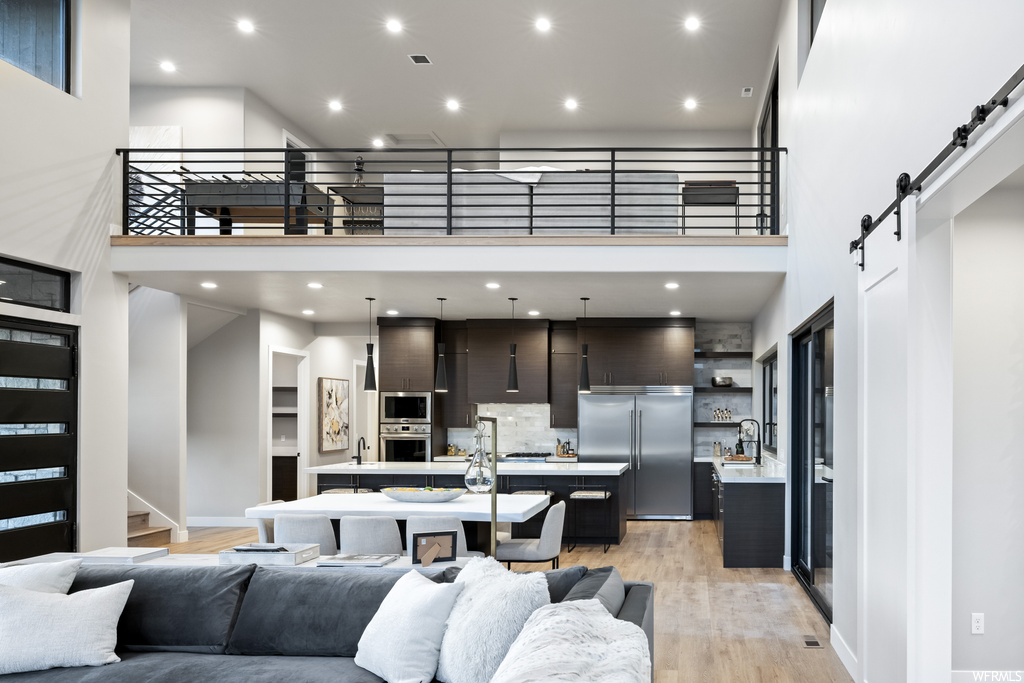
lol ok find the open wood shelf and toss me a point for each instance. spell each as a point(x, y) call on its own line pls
point(714, 425)
point(722, 390)
point(723, 354)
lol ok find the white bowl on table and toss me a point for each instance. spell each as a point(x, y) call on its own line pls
point(405, 494)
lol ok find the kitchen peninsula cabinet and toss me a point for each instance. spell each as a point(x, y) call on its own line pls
point(638, 351)
point(407, 352)
point(750, 519)
point(564, 376)
point(489, 360)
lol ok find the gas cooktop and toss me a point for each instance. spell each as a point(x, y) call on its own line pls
point(526, 457)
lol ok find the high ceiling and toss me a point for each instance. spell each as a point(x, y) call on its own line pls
point(630, 65)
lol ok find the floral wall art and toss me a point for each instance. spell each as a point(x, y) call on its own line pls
point(332, 401)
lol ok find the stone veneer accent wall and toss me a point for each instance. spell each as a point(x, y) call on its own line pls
point(715, 336)
point(521, 428)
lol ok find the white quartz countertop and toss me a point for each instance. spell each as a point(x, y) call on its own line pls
point(567, 469)
point(769, 472)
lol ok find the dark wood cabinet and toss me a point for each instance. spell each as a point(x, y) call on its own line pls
point(489, 342)
point(702, 490)
point(285, 477)
point(638, 351)
point(750, 522)
point(408, 353)
point(452, 409)
point(563, 378)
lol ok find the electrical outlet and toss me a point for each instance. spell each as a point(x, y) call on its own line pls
point(978, 622)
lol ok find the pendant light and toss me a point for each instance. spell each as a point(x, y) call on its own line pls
point(584, 367)
point(513, 375)
point(370, 383)
point(441, 377)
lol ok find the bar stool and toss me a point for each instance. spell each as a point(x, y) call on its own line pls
point(347, 489)
point(505, 533)
point(586, 495)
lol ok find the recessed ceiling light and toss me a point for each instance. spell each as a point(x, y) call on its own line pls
point(377, 142)
point(571, 104)
point(208, 285)
point(315, 285)
point(452, 104)
point(692, 23)
point(674, 313)
point(533, 313)
point(168, 66)
point(392, 312)
point(335, 105)
point(671, 285)
point(394, 25)
point(690, 103)
point(492, 285)
point(308, 311)
point(543, 25)
point(245, 26)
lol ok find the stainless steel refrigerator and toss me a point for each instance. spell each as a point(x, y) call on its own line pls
point(651, 428)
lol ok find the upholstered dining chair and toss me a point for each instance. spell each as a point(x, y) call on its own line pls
point(369, 535)
point(422, 524)
point(543, 549)
point(291, 528)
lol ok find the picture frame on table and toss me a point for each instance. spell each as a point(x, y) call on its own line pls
point(332, 410)
point(433, 546)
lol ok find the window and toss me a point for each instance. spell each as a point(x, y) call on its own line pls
point(37, 286)
point(34, 37)
point(768, 137)
point(770, 402)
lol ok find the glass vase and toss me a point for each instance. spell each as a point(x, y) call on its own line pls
point(480, 473)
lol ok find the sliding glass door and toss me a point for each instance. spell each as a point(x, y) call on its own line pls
point(813, 460)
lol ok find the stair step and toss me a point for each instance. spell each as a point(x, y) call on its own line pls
point(137, 519)
point(150, 537)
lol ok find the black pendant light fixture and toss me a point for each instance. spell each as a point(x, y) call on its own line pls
point(441, 377)
point(370, 383)
point(513, 374)
point(584, 367)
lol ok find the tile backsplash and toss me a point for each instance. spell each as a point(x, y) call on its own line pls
point(522, 428)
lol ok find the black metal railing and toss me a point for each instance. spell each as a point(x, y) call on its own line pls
point(551, 191)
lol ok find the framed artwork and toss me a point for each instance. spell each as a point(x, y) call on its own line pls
point(332, 408)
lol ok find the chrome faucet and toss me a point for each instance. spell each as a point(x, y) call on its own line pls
point(756, 442)
point(360, 447)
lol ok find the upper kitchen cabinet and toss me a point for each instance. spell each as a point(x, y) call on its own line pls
point(408, 354)
point(564, 374)
point(489, 360)
point(452, 408)
point(638, 351)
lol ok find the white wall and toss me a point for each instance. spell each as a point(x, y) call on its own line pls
point(59, 188)
point(333, 353)
point(988, 382)
point(852, 124)
point(209, 117)
point(156, 401)
point(224, 441)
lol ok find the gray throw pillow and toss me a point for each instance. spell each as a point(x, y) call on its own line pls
point(48, 630)
point(174, 609)
point(47, 577)
point(560, 581)
point(605, 584)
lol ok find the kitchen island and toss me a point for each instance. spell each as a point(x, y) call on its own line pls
point(751, 525)
point(595, 521)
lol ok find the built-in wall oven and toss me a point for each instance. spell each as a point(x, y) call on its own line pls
point(405, 442)
point(405, 407)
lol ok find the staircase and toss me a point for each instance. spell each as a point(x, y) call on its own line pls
point(142, 535)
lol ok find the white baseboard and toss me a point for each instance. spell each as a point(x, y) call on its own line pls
point(846, 655)
point(157, 518)
point(221, 521)
point(787, 563)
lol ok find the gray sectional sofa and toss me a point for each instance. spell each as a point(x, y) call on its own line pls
point(254, 624)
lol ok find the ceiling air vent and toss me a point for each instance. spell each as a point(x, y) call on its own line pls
point(413, 140)
point(420, 59)
point(747, 92)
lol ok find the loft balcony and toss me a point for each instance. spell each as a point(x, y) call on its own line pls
point(584, 196)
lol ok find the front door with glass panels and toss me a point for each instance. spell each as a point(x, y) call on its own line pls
point(38, 442)
point(813, 461)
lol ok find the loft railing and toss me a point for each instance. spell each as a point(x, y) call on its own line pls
point(550, 191)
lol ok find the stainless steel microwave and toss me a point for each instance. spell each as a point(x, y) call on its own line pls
point(405, 407)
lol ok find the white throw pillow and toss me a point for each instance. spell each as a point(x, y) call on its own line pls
point(577, 641)
point(47, 577)
point(47, 630)
point(486, 619)
point(402, 641)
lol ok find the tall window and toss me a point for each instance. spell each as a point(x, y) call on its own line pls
point(770, 402)
point(768, 163)
point(34, 37)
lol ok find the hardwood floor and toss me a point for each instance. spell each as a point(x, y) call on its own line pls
point(711, 624)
